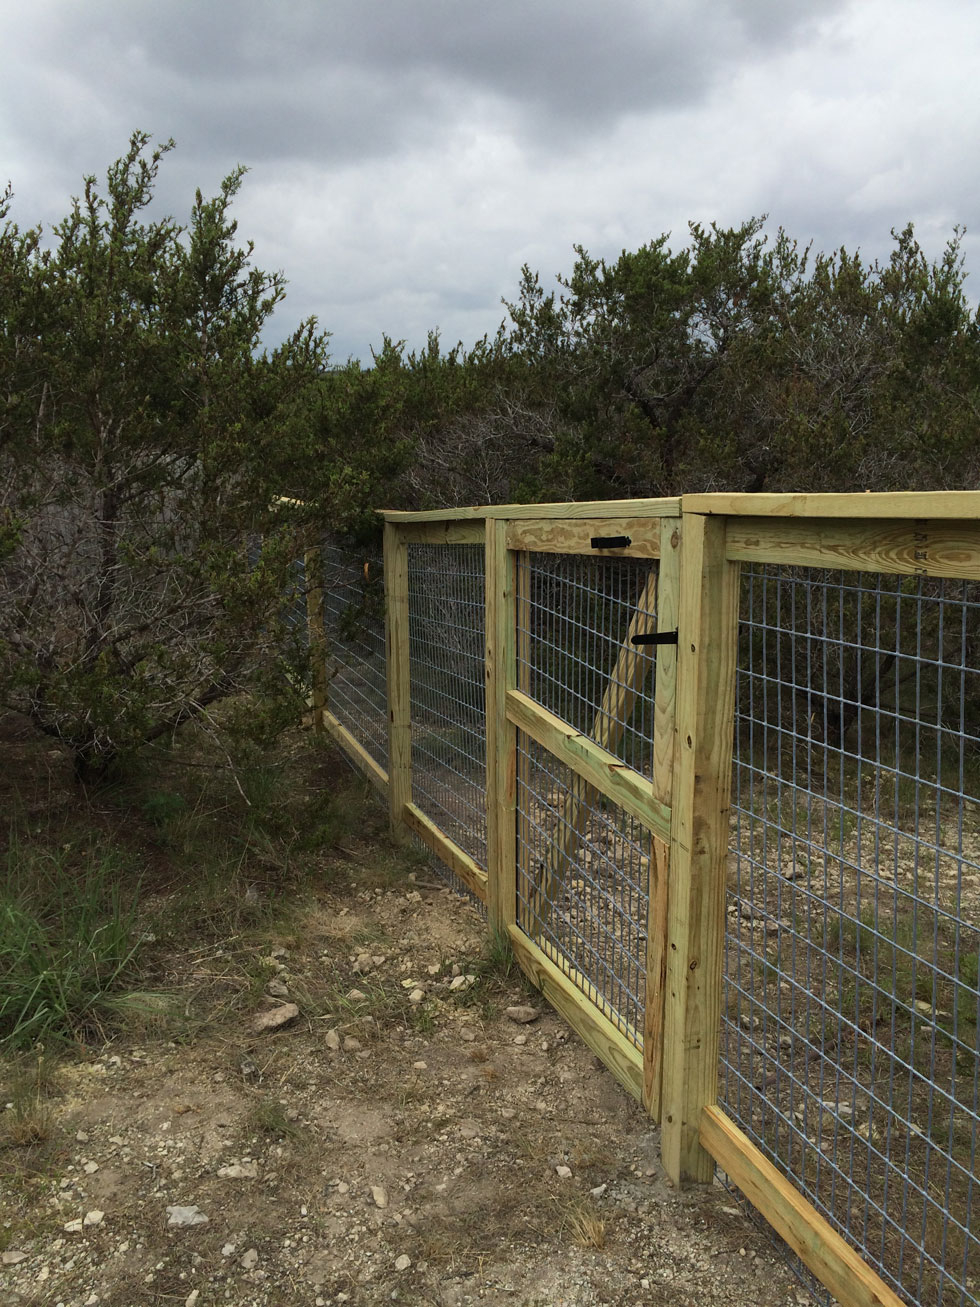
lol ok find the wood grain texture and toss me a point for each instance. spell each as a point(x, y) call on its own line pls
point(444, 533)
point(356, 752)
point(706, 658)
point(397, 671)
point(500, 664)
point(961, 504)
point(599, 768)
point(907, 548)
point(610, 1045)
point(600, 508)
point(831, 1259)
point(446, 850)
point(550, 536)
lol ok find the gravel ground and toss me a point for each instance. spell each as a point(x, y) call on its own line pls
point(400, 1138)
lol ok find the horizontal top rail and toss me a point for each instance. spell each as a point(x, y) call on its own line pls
point(953, 504)
point(598, 508)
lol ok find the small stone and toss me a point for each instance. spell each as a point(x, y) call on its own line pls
point(598, 1191)
point(563, 1172)
point(192, 1297)
point(467, 1033)
point(332, 1039)
point(416, 996)
point(522, 1014)
point(357, 995)
point(90, 1168)
point(343, 1187)
point(380, 1195)
point(250, 1259)
point(92, 1300)
point(403, 1263)
point(458, 982)
point(352, 1045)
point(409, 984)
point(420, 1066)
point(227, 1250)
point(94, 1217)
point(363, 962)
point(82, 1137)
point(275, 1018)
point(239, 1171)
point(73, 1227)
point(191, 1215)
point(12, 1256)
point(277, 989)
point(520, 1040)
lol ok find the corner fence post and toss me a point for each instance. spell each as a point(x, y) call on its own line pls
point(705, 708)
point(501, 660)
point(399, 685)
point(316, 635)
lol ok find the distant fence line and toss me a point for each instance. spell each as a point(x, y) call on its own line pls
point(713, 765)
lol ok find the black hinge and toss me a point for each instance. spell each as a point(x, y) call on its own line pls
point(611, 542)
point(655, 637)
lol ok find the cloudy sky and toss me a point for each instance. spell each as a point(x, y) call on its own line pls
point(408, 156)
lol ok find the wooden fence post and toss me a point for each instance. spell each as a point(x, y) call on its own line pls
point(705, 704)
point(316, 634)
point(501, 659)
point(399, 687)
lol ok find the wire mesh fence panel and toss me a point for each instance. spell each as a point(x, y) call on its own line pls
point(353, 616)
point(576, 618)
point(851, 1006)
point(591, 919)
point(448, 690)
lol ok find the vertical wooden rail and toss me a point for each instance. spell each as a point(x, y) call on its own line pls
point(501, 671)
point(316, 634)
point(705, 704)
point(399, 687)
point(664, 736)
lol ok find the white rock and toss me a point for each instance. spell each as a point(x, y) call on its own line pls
point(459, 982)
point(191, 1215)
point(250, 1259)
point(90, 1168)
point(467, 1033)
point(352, 1045)
point(403, 1263)
point(192, 1297)
point(598, 1191)
point(73, 1227)
point(239, 1171)
point(332, 1039)
point(521, 1013)
point(357, 995)
point(94, 1217)
point(416, 996)
point(520, 1039)
point(420, 1066)
point(563, 1172)
point(12, 1256)
point(275, 1018)
point(380, 1195)
point(227, 1250)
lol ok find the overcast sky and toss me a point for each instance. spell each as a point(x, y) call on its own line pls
point(408, 156)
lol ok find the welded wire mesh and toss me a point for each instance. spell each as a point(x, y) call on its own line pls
point(582, 876)
point(575, 619)
point(353, 617)
point(851, 1004)
point(448, 690)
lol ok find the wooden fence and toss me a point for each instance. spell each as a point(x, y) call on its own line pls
point(761, 967)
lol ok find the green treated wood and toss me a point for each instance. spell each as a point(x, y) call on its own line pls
point(446, 850)
point(601, 508)
point(399, 687)
point(501, 673)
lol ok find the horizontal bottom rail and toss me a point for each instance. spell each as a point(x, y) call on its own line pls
point(448, 851)
point(356, 751)
point(828, 1255)
point(610, 1045)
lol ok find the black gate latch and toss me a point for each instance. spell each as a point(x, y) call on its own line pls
point(655, 637)
point(611, 542)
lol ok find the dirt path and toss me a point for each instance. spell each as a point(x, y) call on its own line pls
point(443, 1154)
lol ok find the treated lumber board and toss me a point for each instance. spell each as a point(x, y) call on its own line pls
point(549, 536)
point(905, 548)
point(446, 850)
point(664, 736)
point(444, 533)
point(356, 752)
point(597, 766)
point(706, 659)
point(316, 634)
point(831, 1259)
point(397, 672)
point(608, 1043)
point(956, 504)
point(601, 508)
point(500, 663)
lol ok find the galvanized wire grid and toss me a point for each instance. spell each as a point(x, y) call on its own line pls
point(353, 615)
point(573, 623)
point(583, 863)
point(448, 690)
point(851, 1006)
point(582, 875)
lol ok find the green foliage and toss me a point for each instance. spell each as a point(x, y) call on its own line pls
point(68, 941)
point(146, 572)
